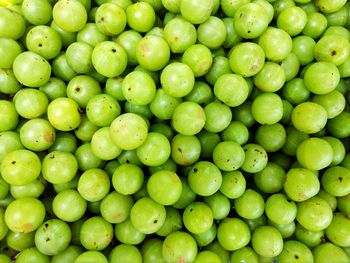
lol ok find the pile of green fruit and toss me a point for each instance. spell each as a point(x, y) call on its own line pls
point(177, 131)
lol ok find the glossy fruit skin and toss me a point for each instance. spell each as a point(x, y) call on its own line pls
point(56, 243)
point(326, 50)
point(233, 184)
point(271, 78)
point(126, 233)
point(219, 126)
point(125, 252)
point(335, 181)
point(301, 184)
point(179, 245)
point(292, 20)
point(136, 132)
point(252, 56)
point(44, 41)
point(204, 178)
point(173, 222)
point(320, 217)
point(177, 40)
point(37, 134)
point(280, 210)
point(224, 84)
point(336, 232)
point(267, 108)
point(219, 204)
point(70, 253)
point(20, 167)
point(245, 253)
point(59, 167)
point(102, 103)
point(187, 195)
point(63, 14)
point(303, 47)
point(255, 158)
point(321, 253)
point(233, 234)
point(267, 41)
point(309, 238)
point(29, 63)
point(271, 247)
point(329, 6)
point(140, 16)
point(107, 52)
point(266, 132)
point(333, 102)
point(316, 25)
point(63, 114)
point(12, 24)
point(304, 120)
point(196, 11)
point(270, 179)
point(105, 15)
point(250, 20)
point(20, 241)
point(90, 178)
point(177, 79)
point(195, 213)
point(294, 251)
point(320, 159)
point(19, 216)
point(314, 80)
point(9, 116)
point(153, 52)
point(215, 27)
point(96, 233)
point(250, 205)
point(69, 206)
point(188, 118)
point(79, 57)
point(147, 216)
point(337, 130)
point(199, 58)
point(102, 145)
point(223, 156)
point(25, 108)
point(32, 254)
point(91, 256)
point(171, 184)
point(185, 149)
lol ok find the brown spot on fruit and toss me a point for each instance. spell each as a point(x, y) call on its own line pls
point(27, 227)
point(49, 137)
point(253, 67)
